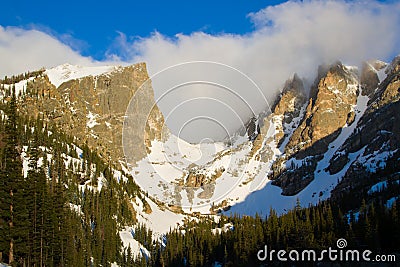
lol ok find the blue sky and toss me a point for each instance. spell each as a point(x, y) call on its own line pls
point(92, 26)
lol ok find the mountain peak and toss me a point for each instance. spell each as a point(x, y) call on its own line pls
point(394, 66)
point(65, 72)
point(90, 103)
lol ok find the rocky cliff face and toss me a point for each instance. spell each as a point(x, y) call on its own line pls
point(371, 148)
point(369, 76)
point(325, 115)
point(377, 139)
point(291, 100)
point(329, 109)
point(92, 109)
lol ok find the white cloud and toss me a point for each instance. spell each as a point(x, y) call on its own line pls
point(331, 30)
point(26, 50)
point(293, 37)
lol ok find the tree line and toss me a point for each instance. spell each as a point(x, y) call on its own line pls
point(375, 227)
point(20, 77)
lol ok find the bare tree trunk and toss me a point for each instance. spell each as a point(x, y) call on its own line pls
point(62, 253)
point(11, 252)
point(41, 243)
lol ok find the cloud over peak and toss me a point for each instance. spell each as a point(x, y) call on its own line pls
point(24, 50)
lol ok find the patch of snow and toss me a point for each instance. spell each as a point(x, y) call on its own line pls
point(94, 136)
point(101, 181)
point(92, 120)
point(227, 227)
point(159, 221)
point(120, 175)
point(66, 72)
point(376, 160)
point(389, 203)
point(289, 128)
point(352, 88)
point(356, 215)
point(378, 187)
point(382, 74)
point(138, 250)
point(25, 161)
point(20, 87)
point(76, 208)
point(79, 151)
point(73, 110)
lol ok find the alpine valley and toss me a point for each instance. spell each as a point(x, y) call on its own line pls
point(90, 178)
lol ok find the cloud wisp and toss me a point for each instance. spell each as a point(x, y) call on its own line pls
point(24, 50)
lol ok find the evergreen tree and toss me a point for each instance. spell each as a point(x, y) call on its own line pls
point(14, 214)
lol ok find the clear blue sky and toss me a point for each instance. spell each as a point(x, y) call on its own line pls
point(94, 25)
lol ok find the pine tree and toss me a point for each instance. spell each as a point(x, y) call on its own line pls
point(33, 203)
point(14, 217)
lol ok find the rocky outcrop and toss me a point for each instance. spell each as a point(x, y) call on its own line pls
point(325, 115)
point(369, 155)
point(388, 90)
point(92, 109)
point(291, 100)
point(329, 109)
point(369, 79)
point(287, 107)
point(252, 128)
point(378, 130)
point(376, 141)
point(198, 178)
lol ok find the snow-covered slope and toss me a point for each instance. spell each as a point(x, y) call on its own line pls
point(319, 189)
point(165, 173)
point(66, 72)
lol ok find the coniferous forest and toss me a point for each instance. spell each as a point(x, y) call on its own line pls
point(38, 224)
point(48, 219)
point(376, 228)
